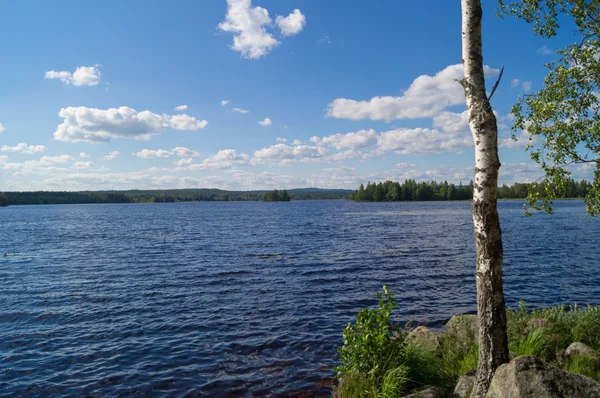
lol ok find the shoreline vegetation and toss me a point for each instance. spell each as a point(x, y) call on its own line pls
point(388, 191)
point(380, 358)
point(410, 190)
point(168, 196)
point(276, 196)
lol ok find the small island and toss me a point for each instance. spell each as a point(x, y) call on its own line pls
point(276, 196)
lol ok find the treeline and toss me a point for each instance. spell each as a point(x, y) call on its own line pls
point(161, 196)
point(3, 199)
point(276, 196)
point(410, 190)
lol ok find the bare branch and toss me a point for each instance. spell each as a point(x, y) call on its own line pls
point(497, 82)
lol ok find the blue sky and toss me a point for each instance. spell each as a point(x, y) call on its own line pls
point(271, 93)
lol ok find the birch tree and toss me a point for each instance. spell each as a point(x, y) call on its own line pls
point(491, 311)
point(565, 113)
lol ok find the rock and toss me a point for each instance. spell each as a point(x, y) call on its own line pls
point(530, 377)
point(582, 350)
point(423, 337)
point(429, 392)
point(465, 328)
point(465, 385)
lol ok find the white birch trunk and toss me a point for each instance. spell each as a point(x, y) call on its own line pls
point(493, 342)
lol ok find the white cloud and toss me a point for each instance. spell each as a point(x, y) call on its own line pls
point(426, 97)
point(247, 23)
point(286, 155)
point(182, 151)
point(181, 107)
point(83, 155)
point(280, 139)
point(240, 110)
point(45, 165)
point(83, 165)
point(527, 86)
point(422, 141)
point(1, 128)
point(360, 139)
point(112, 155)
point(266, 122)
point(452, 122)
point(185, 122)
point(184, 162)
point(225, 102)
point(223, 159)
point(545, 51)
point(151, 153)
point(515, 83)
point(24, 148)
point(83, 76)
point(292, 24)
point(101, 125)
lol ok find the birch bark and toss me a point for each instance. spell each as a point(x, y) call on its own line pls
point(491, 311)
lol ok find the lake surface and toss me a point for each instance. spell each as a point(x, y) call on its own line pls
point(248, 299)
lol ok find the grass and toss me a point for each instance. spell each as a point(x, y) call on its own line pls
point(543, 333)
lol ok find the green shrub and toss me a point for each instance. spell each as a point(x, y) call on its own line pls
point(373, 350)
point(377, 362)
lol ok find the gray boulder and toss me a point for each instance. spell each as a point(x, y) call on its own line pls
point(464, 387)
point(582, 350)
point(530, 377)
point(429, 392)
point(423, 337)
point(465, 328)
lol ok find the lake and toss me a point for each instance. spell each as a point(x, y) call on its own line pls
point(247, 298)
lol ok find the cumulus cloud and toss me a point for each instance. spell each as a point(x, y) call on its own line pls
point(181, 107)
point(515, 83)
point(83, 76)
point(83, 165)
point(286, 155)
point(46, 164)
point(102, 125)
point(292, 24)
point(240, 110)
point(248, 25)
point(185, 122)
point(223, 159)
point(421, 141)
point(452, 122)
point(151, 153)
point(359, 139)
point(184, 162)
point(112, 155)
point(1, 128)
point(163, 153)
point(527, 86)
point(265, 122)
point(426, 97)
point(225, 102)
point(24, 148)
point(281, 139)
point(83, 155)
point(182, 151)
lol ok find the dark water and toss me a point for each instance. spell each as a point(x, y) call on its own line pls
point(247, 299)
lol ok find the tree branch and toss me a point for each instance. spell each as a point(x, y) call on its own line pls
point(497, 82)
